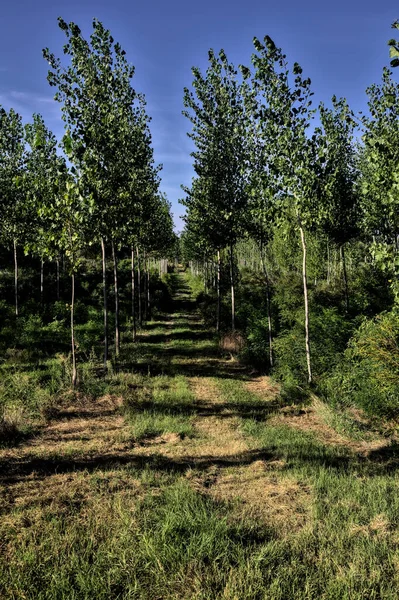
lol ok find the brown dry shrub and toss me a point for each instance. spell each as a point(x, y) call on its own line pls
point(232, 342)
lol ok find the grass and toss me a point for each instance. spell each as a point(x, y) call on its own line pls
point(157, 484)
point(350, 546)
point(170, 544)
point(162, 405)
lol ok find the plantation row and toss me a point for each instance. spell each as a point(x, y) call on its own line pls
point(292, 223)
point(99, 196)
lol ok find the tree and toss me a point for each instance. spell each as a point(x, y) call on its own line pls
point(12, 156)
point(140, 196)
point(98, 110)
point(218, 195)
point(380, 176)
point(40, 184)
point(285, 101)
point(68, 213)
point(262, 181)
point(339, 207)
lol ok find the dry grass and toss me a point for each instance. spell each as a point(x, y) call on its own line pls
point(222, 436)
point(258, 489)
point(264, 387)
point(265, 495)
point(314, 419)
point(85, 427)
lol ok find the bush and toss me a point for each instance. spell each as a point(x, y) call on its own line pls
point(329, 334)
point(22, 401)
point(368, 375)
point(256, 350)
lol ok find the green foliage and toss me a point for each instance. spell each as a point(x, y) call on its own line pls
point(196, 284)
point(368, 374)
point(394, 48)
point(256, 350)
point(28, 395)
point(330, 333)
point(12, 157)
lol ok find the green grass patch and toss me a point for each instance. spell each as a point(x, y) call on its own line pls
point(160, 405)
point(176, 544)
point(245, 403)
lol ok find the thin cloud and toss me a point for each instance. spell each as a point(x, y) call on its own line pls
point(28, 100)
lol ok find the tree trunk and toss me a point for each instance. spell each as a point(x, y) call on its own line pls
point(148, 294)
point(328, 264)
point(117, 333)
point(343, 259)
point(268, 308)
point(133, 298)
point(218, 294)
point(41, 281)
point(105, 304)
point(145, 267)
point(305, 296)
point(16, 277)
point(74, 373)
point(58, 279)
point(205, 267)
point(140, 315)
point(233, 308)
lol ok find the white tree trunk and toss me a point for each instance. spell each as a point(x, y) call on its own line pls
point(105, 308)
point(117, 332)
point(133, 298)
point(218, 293)
point(16, 277)
point(306, 301)
point(74, 372)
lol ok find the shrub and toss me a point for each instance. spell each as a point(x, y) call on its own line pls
point(256, 349)
point(368, 375)
point(329, 334)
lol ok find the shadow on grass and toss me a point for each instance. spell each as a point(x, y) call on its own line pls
point(387, 457)
point(165, 366)
point(13, 437)
point(16, 469)
point(68, 415)
point(258, 411)
point(191, 324)
point(190, 334)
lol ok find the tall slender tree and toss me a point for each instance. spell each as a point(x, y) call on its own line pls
point(285, 101)
point(98, 105)
point(339, 206)
point(215, 109)
point(12, 157)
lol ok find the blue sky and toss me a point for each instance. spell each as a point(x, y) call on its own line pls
point(341, 47)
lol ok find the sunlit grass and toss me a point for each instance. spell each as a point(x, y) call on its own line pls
point(160, 406)
point(149, 529)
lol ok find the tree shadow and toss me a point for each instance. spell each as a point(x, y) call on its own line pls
point(189, 335)
point(69, 415)
point(15, 470)
point(386, 459)
point(258, 411)
point(165, 366)
point(14, 437)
